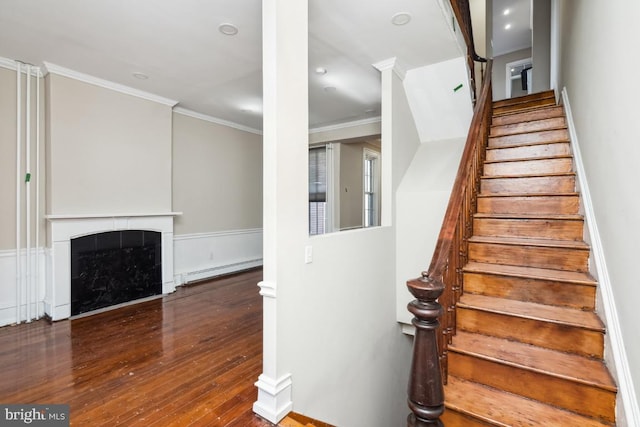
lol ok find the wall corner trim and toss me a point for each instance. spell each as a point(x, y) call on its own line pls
point(86, 78)
point(625, 380)
point(274, 397)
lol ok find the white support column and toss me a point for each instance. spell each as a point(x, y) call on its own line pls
point(285, 169)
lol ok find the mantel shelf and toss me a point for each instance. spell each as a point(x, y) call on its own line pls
point(56, 217)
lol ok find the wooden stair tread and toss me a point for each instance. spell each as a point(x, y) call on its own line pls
point(525, 241)
point(524, 99)
point(526, 159)
point(523, 107)
point(526, 116)
point(529, 310)
point(527, 126)
point(572, 194)
point(527, 144)
point(531, 273)
point(571, 367)
point(564, 217)
point(505, 409)
point(536, 175)
point(541, 137)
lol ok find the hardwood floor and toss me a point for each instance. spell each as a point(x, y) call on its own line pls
point(190, 358)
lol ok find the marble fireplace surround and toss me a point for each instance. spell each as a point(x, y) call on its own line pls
point(62, 228)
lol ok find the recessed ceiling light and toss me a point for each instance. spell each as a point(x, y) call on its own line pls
point(140, 76)
point(228, 29)
point(513, 69)
point(330, 89)
point(401, 18)
point(506, 12)
point(321, 70)
point(506, 27)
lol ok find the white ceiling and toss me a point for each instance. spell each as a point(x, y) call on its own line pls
point(519, 35)
point(178, 45)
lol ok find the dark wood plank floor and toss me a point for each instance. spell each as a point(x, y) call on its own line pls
point(190, 358)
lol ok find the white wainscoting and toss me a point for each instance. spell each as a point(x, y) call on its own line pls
point(200, 256)
point(8, 285)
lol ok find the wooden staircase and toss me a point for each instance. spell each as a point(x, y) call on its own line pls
point(529, 346)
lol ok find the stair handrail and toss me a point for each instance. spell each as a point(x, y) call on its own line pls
point(441, 285)
point(463, 15)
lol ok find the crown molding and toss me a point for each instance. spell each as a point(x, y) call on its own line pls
point(86, 78)
point(392, 64)
point(207, 118)
point(346, 125)
point(11, 64)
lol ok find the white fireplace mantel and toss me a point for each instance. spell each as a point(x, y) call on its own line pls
point(64, 227)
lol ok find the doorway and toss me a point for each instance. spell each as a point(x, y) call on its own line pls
point(518, 77)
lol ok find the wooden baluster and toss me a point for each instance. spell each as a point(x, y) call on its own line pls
point(426, 393)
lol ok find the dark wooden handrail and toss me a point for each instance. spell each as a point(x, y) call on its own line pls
point(463, 15)
point(438, 289)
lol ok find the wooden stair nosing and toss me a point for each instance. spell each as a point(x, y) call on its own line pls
point(534, 175)
point(543, 136)
point(536, 359)
point(547, 94)
point(510, 409)
point(533, 311)
point(552, 123)
point(528, 144)
point(561, 217)
point(527, 159)
point(522, 107)
point(526, 116)
point(534, 273)
point(487, 195)
point(533, 242)
point(564, 393)
point(528, 151)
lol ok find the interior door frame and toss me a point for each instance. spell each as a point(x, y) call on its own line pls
point(507, 70)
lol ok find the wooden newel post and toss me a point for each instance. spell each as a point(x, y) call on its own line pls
point(426, 393)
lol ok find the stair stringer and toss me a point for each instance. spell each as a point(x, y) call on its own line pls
point(627, 407)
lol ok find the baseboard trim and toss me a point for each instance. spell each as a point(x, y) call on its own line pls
point(626, 389)
point(214, 271)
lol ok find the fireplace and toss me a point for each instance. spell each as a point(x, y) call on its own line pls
point(114, 267)
point(145, 244)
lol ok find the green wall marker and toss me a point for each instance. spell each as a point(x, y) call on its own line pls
point(457, 88)
point(27, 178)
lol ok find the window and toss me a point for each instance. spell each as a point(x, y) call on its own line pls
point(317, 190)
point(371, 192)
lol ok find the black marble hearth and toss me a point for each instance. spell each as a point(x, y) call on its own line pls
point(114, 267)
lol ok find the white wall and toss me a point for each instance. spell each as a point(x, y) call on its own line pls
point(108, 152)
point(217, 176)
point(439, 111)
point(421, 203)
point(499, 74)
point(348, 359)
point(217, 185)
point(541, 45)
point(597, 42)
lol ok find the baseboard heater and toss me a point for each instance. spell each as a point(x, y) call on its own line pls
point(207, 273)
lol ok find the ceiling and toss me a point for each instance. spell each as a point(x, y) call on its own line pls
point(178, 45)
point(518, 35)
